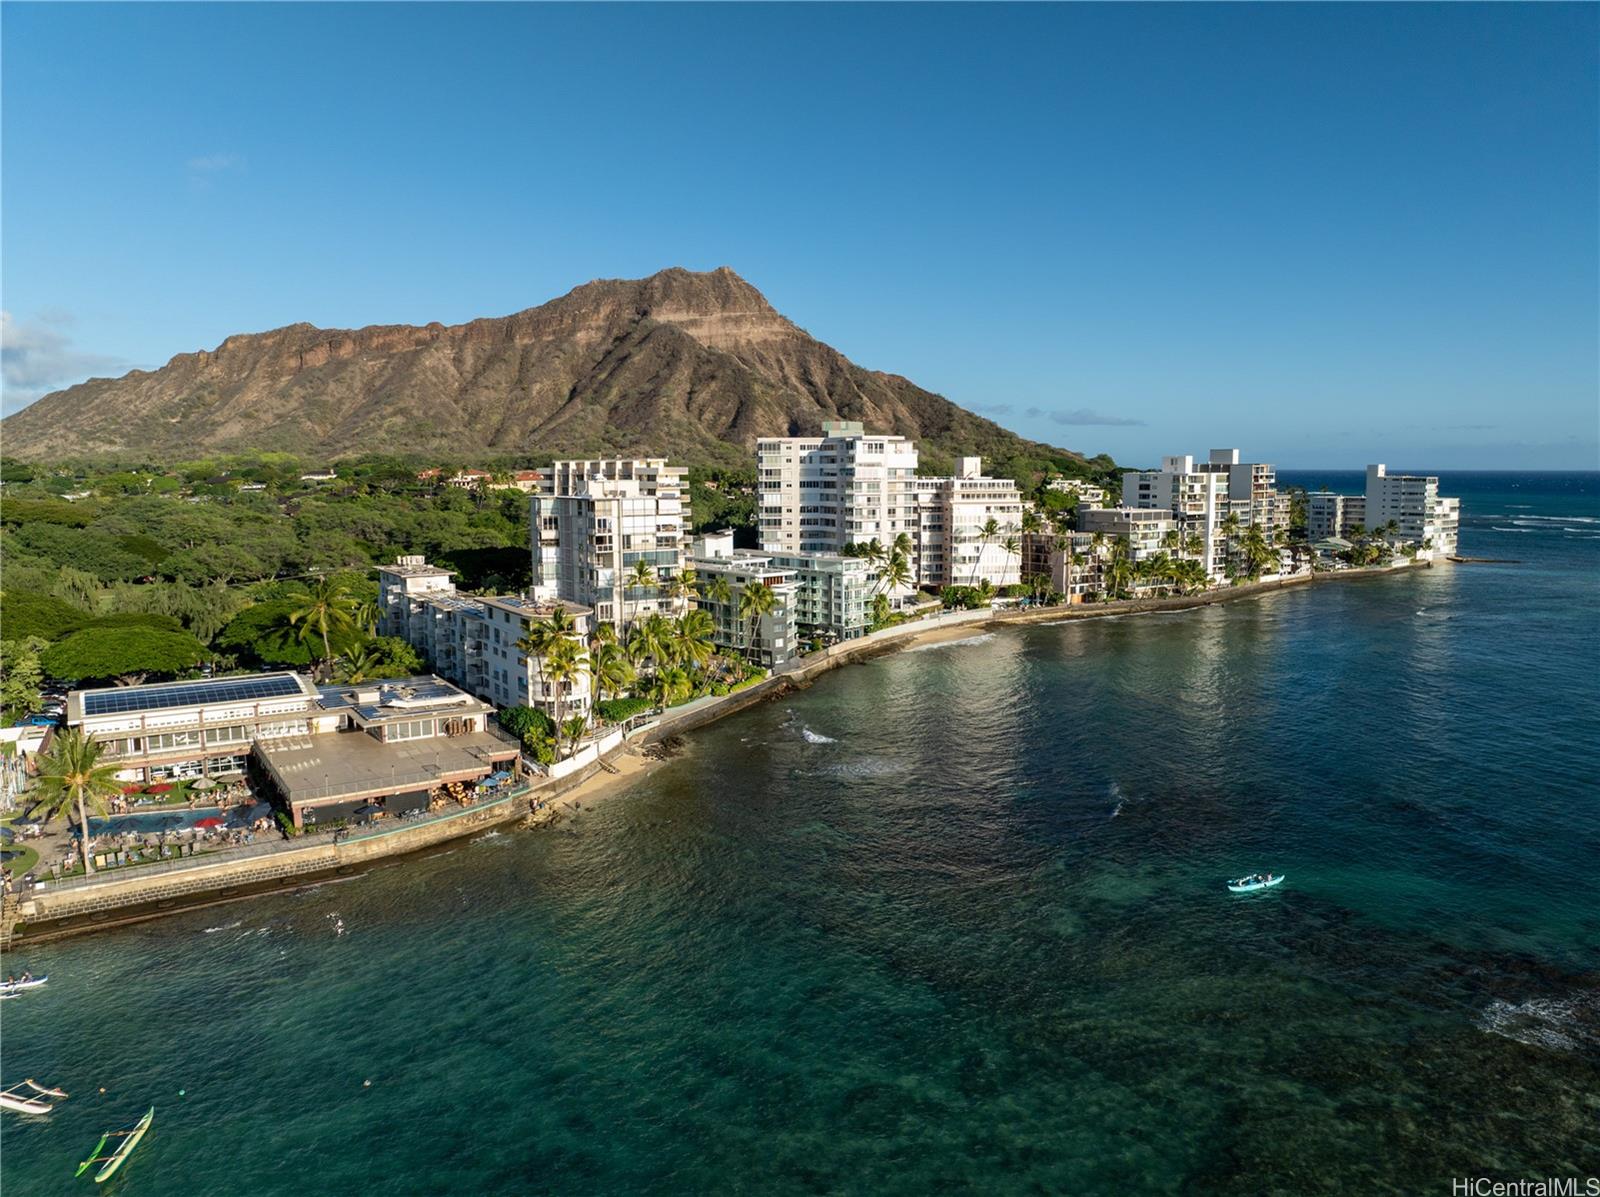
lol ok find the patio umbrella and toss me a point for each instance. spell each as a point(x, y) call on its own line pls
point(203, 783)
point(209, 821)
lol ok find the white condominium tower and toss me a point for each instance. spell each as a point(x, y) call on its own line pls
point(594, 523)
point(1413, 503)
point(821, 493)
point(953, 548)
point(1202, 495)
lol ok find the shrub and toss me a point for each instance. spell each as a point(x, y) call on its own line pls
point(523, 721)
point(616, 710)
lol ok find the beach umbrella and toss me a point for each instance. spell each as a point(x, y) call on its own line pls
point(209, 821)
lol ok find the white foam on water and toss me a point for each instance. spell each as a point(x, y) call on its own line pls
point(816, 737)
point(224, 927)
point(1498, 528)
point(1560, 1024)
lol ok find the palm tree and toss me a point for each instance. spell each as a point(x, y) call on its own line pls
point(542, 636)
point(1194, 544)
point(573, 729)
point(564, 663)
point(990, 529)
point(367, 615)
point(651, 640)
point(671, 686)
point(610, 670)
point(358, 666)
point(71, 774)
point(692, 638)
point(1257, 552)
point(895, 574)
point(755, 600)
point(1013, 548)
point(680, 586)
point(329, 610)
point(643, 574)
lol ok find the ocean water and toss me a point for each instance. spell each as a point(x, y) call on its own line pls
point(952, 921)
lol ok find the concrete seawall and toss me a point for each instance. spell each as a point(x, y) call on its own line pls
point(120, 899)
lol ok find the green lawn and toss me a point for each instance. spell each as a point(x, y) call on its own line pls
point(19, 865)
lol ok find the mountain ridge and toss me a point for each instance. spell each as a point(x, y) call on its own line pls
point(693, 365)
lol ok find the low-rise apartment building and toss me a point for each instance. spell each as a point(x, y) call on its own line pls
point(1088, 494)
point(834, 596)
point(769, 639)
point(472, 639)
point(1147, 530)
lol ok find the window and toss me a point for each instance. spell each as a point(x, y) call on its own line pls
point(414, 729)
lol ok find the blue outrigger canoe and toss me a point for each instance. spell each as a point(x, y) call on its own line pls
point(1249, 885)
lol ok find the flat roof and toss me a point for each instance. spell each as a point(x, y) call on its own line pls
point(416, 571)
point(339, 766)
point(527, 606)
point(160, 696)
point(404, 698)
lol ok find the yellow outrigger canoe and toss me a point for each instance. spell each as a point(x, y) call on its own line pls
point(110, 1163)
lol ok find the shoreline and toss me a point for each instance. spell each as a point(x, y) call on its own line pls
point(632, 761)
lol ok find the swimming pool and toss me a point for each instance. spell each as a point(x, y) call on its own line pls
point(153, 822)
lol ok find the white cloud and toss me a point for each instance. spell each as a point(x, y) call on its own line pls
point(37, 357)
point(1084, 415)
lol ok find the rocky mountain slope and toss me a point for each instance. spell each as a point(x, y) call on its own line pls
point(694, 365)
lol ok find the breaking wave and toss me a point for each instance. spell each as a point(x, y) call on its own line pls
point(816, 737)
point(1560, 1024)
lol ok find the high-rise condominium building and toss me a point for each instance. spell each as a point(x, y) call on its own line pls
point(1413, 504)
point(821, 493)
point(1202, 495)
point(1329, 514)
point(968, 527)
point(609, 534)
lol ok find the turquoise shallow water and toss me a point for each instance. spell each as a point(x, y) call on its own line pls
point(952, 921)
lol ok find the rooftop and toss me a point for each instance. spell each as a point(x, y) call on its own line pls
point(161, 696)
point(346, 765)
point(414, 567)
point(405, 698)
point(543, 608)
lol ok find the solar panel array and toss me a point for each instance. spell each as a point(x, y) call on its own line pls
point(188, 694)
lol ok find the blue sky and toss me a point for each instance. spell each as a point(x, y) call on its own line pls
point(1326, 235)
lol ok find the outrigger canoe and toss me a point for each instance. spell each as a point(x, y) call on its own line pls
point(16, 1099)
point(110, 1163)
point(8, 988)
point(1248, 885)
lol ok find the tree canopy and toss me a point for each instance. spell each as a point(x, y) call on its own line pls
point(97, 654)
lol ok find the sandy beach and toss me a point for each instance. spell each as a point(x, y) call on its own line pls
point(631, 766)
